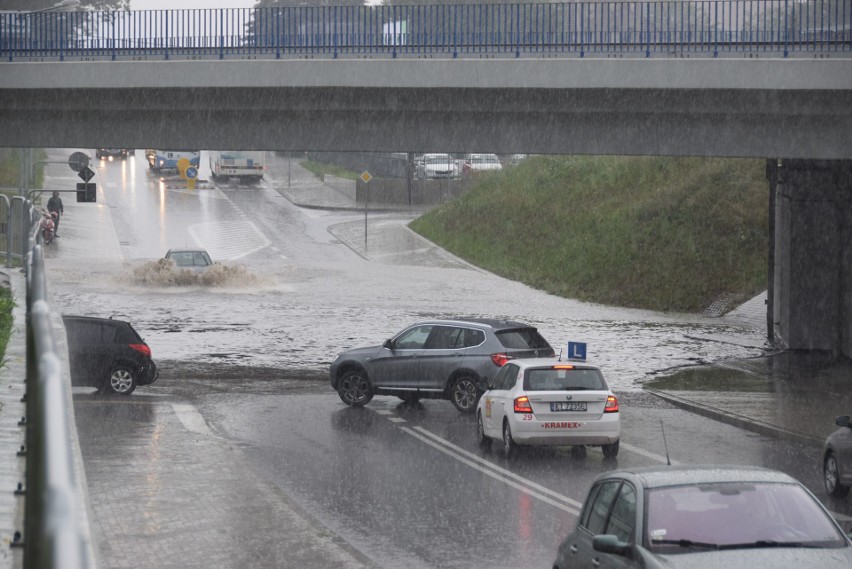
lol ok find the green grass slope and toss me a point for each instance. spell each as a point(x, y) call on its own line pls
point(670, 234)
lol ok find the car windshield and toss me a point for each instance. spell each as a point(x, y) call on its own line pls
point(733, 515)
point(437, 159)
point(189, 258)
point(549, 379)
point(483, 159)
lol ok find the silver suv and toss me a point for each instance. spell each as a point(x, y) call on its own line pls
point(436, 359)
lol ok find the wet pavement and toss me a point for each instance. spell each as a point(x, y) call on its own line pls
point(182, 484)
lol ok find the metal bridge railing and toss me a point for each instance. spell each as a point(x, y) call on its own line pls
point(56, 531)
point(777, 28)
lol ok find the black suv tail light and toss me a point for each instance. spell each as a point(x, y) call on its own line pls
point(142, 349)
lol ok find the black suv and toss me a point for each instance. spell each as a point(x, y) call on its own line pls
point(436, 359)
point(108, 354)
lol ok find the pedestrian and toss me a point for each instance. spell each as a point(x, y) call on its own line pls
point(54, 205)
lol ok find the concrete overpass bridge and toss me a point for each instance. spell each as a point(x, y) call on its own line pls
point(717, 78)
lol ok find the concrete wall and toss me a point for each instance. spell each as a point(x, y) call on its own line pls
point(813, 255)
point(395, 191)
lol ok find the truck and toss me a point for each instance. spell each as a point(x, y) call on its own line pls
point(248, 166)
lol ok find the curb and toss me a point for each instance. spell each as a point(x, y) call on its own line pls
point(737, 420)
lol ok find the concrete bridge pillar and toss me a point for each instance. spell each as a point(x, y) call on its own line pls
point(811, 261)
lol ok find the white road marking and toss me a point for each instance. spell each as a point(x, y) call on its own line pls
point(518, 482)
point(191, 418)
point(397, 420)
point(645, 453)
point(228, 240)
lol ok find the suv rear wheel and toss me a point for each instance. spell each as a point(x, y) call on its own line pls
point(463, 394)
point(121, 381)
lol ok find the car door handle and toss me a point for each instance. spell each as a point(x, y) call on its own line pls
point(596, 561)
point(573, 549)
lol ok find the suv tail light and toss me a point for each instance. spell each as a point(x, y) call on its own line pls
point(142, 349)
point(522, 405)
point(500, 359)
point(611, 404)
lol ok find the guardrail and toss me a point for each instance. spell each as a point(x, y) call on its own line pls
point(778, 28)
point(55, 531)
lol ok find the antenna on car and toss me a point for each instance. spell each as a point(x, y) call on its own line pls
point(665, 444)
point(559, 357)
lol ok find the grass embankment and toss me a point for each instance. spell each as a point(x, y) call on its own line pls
point(6, 305)
point(320, 169)
point(669, 234)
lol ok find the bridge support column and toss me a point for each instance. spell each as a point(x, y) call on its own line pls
point(810, 291)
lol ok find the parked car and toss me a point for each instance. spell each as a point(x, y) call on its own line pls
point(435, 359)
point(544, 402)
point(736, 517)
point(108, 354)
point(837, 459)
point(107, 152)
point(437, 166)
point(476, 163)
point(197, 260)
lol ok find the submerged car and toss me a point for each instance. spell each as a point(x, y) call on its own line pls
point(736, 517)
point(544, 402)
point(435, 359)
point(197, 260)
point(108, 354)
point(837, 459)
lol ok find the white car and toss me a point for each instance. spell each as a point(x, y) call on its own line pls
point(475, 163)
point(437, 166)
point(548, 402)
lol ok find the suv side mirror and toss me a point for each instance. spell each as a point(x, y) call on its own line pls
point(388, 344)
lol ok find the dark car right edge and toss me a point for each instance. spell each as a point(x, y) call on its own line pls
point(435, 359)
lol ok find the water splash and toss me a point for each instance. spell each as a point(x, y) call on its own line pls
point(164, 273)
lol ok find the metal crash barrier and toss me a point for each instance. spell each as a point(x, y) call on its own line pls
point(56, 528)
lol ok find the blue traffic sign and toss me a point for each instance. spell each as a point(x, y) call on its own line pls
point(577, 351)
point(192, 172)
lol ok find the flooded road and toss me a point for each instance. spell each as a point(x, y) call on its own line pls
point(315, 289)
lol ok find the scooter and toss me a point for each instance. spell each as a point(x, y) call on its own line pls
point(48, 227)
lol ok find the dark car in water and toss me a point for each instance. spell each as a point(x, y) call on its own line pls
point(436, 359)
point(108, 354)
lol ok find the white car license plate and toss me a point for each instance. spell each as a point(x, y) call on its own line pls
point(568, 406)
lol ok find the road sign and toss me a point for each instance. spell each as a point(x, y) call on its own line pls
point(87, 192)
point(191, 176)
point(78, 161)
point(86, 174)
point(366, 176)
point(577, 351)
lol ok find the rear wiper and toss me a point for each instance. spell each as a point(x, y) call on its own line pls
point(686, 543)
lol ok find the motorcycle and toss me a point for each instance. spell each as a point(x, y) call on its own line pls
point(48, 227)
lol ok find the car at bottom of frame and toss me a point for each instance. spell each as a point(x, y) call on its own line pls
point(706, 516)
point(549, 402)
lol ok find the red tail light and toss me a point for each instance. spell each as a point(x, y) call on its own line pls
point(522, 405)
point(611, 404)
point(142, 349)
point(500, 359)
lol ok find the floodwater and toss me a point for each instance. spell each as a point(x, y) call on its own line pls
point(300, 291)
